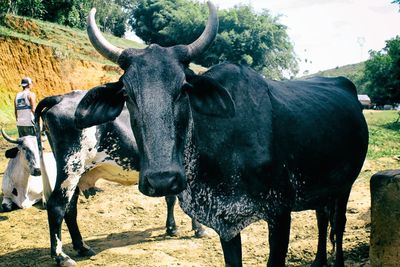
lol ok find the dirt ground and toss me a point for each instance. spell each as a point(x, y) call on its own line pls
point(126, 228)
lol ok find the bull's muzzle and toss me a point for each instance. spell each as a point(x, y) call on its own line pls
point(157, 184)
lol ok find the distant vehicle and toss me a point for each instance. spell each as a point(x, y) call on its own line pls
point(365, 101)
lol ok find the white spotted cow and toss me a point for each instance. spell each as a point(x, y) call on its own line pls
point(23, 182)
point(106, 151)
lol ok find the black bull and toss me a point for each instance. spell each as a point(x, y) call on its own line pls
point(106, 151)
point(236, 147)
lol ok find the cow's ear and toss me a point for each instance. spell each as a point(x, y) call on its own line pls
point(101, 104)
point(209, 97)
point(11, 153)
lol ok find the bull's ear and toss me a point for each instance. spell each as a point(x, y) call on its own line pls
point(209, 97)
point(11, 153)
point(101, 104)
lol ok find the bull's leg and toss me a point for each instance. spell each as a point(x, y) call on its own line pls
point(279, 231)
point(56, 207)
point(70, 220)
point(198, 229)
point(171, 225)
point(232, 251)
point(340, 223)
point(322, 219)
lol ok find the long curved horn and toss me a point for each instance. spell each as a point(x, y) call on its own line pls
point(105, 48)
point(208, 35)
point(8, 138)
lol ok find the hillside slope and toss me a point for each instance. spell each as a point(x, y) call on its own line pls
point(58, 59)
point(354, 72)
point(349, 71)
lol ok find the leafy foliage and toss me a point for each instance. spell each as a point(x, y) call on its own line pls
point(112, 17)
point(245, 37)
point(382, 74)
point(31, 8)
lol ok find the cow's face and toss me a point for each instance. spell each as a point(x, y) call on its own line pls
point(159, 117)
point(159, 92)
point(28, 152)
point(29, 148)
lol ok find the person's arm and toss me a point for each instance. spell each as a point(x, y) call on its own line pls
point(32, 101)
point(15, 109)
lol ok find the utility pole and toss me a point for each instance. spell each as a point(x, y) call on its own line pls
point(361, 42)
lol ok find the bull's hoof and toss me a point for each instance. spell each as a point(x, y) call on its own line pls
point(6, 207)
point(65, 261)
point(200, 233)
point(92, 191)
point(172, 231)
point(86, 252)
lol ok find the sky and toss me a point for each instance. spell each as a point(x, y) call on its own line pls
point(331, 33)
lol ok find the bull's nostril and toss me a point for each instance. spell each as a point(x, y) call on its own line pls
point(36, 172)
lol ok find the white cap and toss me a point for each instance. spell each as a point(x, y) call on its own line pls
point(26, 81)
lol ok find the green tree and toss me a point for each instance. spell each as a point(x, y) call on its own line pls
point(110, 14)
point(382, 74)
point(258, 40)
point(70, 13)
point(30, 8)
point(396, 2)
point(245, 37)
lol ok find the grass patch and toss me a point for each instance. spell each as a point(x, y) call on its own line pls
point(384, 134)
point(7, 118)
point(66, 42)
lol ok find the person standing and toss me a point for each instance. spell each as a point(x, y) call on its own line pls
point(25, 104)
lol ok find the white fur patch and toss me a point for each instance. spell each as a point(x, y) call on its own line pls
point(76, 161)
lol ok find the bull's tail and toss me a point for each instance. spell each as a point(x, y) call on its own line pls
point(44, 105)
point(41, 108)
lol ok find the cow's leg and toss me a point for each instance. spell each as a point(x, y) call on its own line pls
point(322, 220)
point(171, 225)
point(72, 224)
point(198, 229)
point(232, 251)
point(279, 231)
point(56, 207)
point(340, 223)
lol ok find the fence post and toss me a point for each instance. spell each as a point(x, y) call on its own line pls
point(385, 219)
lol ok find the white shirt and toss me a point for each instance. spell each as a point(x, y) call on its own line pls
point(24, 113)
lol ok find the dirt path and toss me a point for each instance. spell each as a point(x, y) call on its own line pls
point(126, 228)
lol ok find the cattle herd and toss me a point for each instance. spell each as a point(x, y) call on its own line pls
point(233, 147)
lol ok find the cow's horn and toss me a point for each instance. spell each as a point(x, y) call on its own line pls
point(105, 48)
point(208, 35)
point(9, 139)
